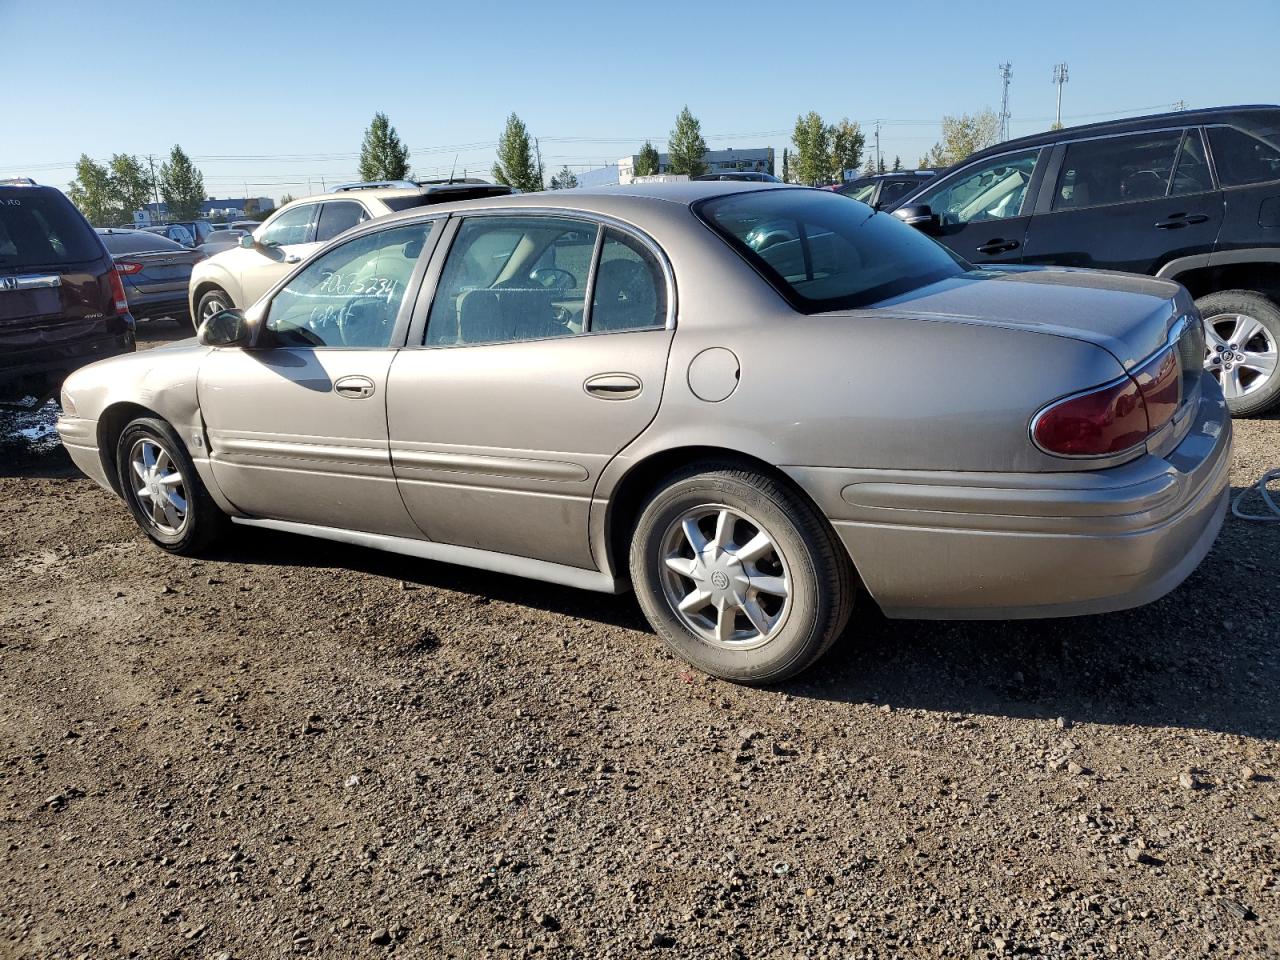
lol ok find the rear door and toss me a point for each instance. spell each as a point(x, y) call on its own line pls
point(544, 355)
point(983, 209)
point(1130, 202)
point(281, 243)
point(1248, 166)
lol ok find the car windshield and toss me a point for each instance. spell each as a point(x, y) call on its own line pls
point(858, 191)
point(40, 228)
point(822, 252)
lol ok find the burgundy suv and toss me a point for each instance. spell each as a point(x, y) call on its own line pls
point(62, 304)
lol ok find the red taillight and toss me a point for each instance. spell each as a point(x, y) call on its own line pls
point(127, 268)
point(117, 292)
point(1114, 417)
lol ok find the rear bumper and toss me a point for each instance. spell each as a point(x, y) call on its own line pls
point(1003, 545)
point(41, 369)
point(167, 303)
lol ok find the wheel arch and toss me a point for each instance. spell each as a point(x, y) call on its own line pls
point(204, 286)
point(111, 424)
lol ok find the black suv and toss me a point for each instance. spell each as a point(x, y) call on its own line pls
point(62, 304)
point(1191, 196)
point(884, 191)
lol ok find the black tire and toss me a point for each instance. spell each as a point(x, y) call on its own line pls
point(1262, 391)
point(203, 521)
point(210, 303)
point(810, 559)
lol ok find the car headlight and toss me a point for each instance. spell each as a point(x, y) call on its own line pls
point(67, 403)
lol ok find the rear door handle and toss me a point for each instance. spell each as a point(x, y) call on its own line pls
point(1177, 221)
point(613, 386)
point(354, 387)
point(999, 245)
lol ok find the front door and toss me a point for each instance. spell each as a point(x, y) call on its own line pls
point(983, 210)
point(544, 355)
point(1130, 203)
point(297, 424)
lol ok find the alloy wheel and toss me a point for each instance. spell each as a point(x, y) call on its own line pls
point(1240, 352)
point(211, 308)
point(725, 577)
point(159, 487)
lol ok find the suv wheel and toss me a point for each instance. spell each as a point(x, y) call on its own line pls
point(739, 575)
point(163, 490)
point(1242, 334)
point(215, 301)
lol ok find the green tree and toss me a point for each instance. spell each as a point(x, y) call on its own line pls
point(897, 163)
point(564, 180)
point(962, 136)
point(382, 155)
point(131, 185)
point(516, 166)
point(880, 167)
point(812, 140)
point(847, 141)
point(869, 168)
point(686, 149)
point(287, 198)
point(181, 185)
point(786, 165)
point(91, 192)
point(646, 160)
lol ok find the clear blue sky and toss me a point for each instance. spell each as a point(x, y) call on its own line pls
point(291, 86)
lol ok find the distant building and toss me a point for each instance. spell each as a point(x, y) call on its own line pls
point(757, 159)
point(232, 208)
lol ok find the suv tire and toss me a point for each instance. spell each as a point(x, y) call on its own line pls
point(741, 576)
point(1250, 391)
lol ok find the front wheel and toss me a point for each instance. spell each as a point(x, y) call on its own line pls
point(164, 493)
point(213, 302)
point(1242, 333)
point(740, 575)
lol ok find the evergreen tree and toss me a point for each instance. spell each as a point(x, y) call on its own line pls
point(880, 167)
point(181, 185)
point(516, 166)
point(564, 180)
point(786, 165)
point(646, 161)
point(382, 155)
point(897, 163)
point(686, 149)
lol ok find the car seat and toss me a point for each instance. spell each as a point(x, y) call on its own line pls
point(625, 297)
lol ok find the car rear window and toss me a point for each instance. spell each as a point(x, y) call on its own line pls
point(40, 228)
point(120, 242)
point(822, 252)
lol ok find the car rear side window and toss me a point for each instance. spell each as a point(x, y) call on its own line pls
point(823, 253)
point(1117, 170)
point(1243, 158)
point(40, 228)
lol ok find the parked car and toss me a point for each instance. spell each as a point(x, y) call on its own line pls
point(697, 389)
point(62, 303)
point(745, 176)
point(884, 191)
point(189, 233)
point(239, 276)
point(1191, 196)
point(156, 272)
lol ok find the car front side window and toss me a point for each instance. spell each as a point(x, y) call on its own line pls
point(292, 226)
point(989, 190)
point(351, 296)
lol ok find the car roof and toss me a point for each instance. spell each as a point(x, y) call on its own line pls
point(424, 188)
point(1154, 121)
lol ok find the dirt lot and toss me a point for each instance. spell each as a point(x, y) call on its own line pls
point(302, 748)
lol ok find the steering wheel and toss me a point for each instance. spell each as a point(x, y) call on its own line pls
point(553, 278)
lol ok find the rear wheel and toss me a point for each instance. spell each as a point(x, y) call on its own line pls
point(215, 301)
point(1242, 334)
point(740, 575)
point(164, 493)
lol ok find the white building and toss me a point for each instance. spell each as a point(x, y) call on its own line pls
point(756, 159)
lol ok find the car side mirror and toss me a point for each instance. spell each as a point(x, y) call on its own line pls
point(227, 328)
point(246, 241)
point(920, 216)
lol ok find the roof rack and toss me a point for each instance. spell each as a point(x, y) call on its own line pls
point(375, 185)
point(18, 182)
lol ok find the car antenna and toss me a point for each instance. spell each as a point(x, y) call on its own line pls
point(454, 168)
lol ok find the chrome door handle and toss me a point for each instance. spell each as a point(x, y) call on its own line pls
point(354, 388)
point(293, 258)
point(613, 386)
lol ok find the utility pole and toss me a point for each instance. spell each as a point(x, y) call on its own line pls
point(877, 146)
point(1180, 105)
point(155, 187)
point(1006, 72)
point(537, 150)
point(1059, 77)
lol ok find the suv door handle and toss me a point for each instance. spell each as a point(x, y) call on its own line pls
point(354, 387)
point(1177, 221)
point(999, 245)
point(613, 386)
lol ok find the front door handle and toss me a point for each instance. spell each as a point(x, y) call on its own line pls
point(354, 388)
point(1177, 221)
point(293, 258)
point(613, 386)
point(999, 245)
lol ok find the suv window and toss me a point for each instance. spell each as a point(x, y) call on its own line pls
point(894, 189)
point(989, 190)
point(1191, 175)
point(858, 190)
point(1243, 158)
point(337, 216)
point(821, 253)
point(292, 226)
point(513, 278)
point(40, 228)
point(349, 297)
point(1116, 170)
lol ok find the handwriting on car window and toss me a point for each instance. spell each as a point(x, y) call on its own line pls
point(376, 288)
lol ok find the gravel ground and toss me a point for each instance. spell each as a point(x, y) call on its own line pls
point(298, 748)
